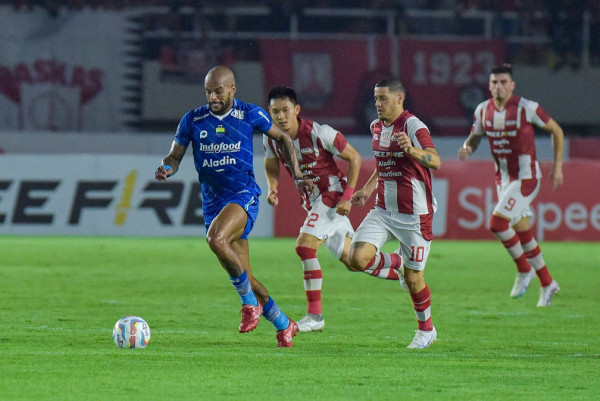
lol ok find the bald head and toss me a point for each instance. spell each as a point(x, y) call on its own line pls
point(220, 88)
point(220, 75)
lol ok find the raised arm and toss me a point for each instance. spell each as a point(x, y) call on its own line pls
point(427, 157)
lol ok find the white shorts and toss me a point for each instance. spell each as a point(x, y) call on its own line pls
point(381, 225)
point(512, 203)
point(323, 222)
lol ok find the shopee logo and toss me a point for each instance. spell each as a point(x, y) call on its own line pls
point(549, 216)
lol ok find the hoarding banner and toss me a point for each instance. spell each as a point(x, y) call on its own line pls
point(66, 72)
point(466, 196)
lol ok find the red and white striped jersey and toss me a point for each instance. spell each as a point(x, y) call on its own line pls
point(511, 136)
point(403, 185)
point(316, 145)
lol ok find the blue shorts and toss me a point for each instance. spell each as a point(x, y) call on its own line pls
point(247, 201)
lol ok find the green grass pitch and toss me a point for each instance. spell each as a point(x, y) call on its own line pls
point(60, 296)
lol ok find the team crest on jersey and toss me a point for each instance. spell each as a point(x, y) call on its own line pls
point(239, 114)
point(220, 130)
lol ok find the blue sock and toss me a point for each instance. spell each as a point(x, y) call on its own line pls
point(244, 289)
point(273, 314)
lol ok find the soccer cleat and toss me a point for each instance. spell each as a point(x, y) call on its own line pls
point(250, 316)
point(423, 339)
point(547, 292)
point(400, 272)
point(284, 337)
point(522, 283)
point(311, 322)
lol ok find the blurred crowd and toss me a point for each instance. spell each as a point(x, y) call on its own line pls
point(557, 24)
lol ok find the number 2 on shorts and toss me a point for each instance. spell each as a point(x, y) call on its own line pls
point(311, 218)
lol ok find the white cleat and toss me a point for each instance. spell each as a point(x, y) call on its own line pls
point(423, 339)
point(522, 283)
point(400, 272)
point(547, 292)
point(311, 322)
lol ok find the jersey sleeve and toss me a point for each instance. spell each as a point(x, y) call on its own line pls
point(260, 119)
point(340, 142)
point(418, 133)
point(535, 113)
point(477, 127)
point(269, 151)
point(333, 141)
point(183, 134)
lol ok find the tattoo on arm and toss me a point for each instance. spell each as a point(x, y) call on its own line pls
point(287, 149)
point(174, 157)
point(426, 159)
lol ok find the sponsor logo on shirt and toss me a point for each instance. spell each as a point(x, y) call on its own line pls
point(307, 150)
point(500, 134)
point(224, 161)
point(388, 174)
point(386, 163)
point(501, 142)
point(384, 153)
point(221, 147)
point(197, 118)
point(308, 165)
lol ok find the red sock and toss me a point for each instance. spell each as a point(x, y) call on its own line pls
point(313, 278)
point(505, 233)
point(534, 257)
point(383, 266)
point(422, 305)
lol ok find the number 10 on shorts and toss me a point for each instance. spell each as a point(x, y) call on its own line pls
point(417, 253)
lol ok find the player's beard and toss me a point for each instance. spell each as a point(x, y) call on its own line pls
point(220, 107)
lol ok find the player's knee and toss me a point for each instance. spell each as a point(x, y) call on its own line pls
point(415, 280)
point(216, 242)
point(306, 253)
point(498, 224)
point(346, 261)
point(357, 259)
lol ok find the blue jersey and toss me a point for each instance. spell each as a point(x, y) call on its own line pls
point(222, 148)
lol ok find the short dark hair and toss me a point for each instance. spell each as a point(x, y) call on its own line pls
point(282, 92)
point(393, 83)
point(503, 69)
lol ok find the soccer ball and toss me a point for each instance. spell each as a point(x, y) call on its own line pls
point(131, 332)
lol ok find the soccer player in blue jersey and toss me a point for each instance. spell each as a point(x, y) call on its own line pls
point(221, 136)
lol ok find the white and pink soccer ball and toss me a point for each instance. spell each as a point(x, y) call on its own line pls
point(131, 332)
